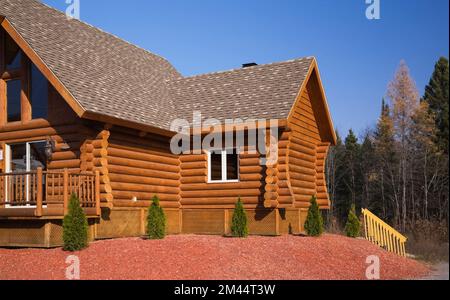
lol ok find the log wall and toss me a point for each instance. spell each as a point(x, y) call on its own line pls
point(140, 167)
point(306, 154)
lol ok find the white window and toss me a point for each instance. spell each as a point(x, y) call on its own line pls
point(223, 166)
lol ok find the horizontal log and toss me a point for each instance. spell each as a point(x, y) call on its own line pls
point(303, 184)
point(302, 146)
point(303, 191)
point(218, 201)
point(143, 172)
point(143, 203)
point(282, 168)
point(194, 172)
point(194, 179)
point(145, 188)
point(305, 132)
point(302, 198)
point(142, 195)
point(250, 169)
point(250, 177)
point(322, 196)
point(143, 180)
point(321, 189)
point(136, 155)
point(303, 177)
point(220, 193)
point(250, 162)
point(62, 164)
point(65, 155)
point(194, 165)
point(321, 157)
point(301, 163)
point(193, 158)
point(284, 192)
point(118, 161)
point(39, 132)
point(302, 156)
point(302, 170)
point(220, 186)
point(285, 199)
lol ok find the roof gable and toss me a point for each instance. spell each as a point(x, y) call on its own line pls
point(107, 79)
point(99, 72)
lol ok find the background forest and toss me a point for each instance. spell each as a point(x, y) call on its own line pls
point(399, 168)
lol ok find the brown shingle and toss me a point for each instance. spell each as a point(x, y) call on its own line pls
point(109, 76)
point(264, 91)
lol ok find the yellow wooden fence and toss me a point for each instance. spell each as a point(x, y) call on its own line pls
point(381, 234)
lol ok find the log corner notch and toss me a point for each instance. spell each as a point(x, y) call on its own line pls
point(95, 157)
point(271, 187)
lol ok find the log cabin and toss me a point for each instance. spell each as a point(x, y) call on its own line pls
point(83, 111)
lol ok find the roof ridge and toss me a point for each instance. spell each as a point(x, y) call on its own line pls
point(109, 33)
point(247, 68)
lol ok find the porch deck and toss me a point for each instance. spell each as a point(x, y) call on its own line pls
point(45, 194)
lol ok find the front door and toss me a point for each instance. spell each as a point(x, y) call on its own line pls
point(20, 160)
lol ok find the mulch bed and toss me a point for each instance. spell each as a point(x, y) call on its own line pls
point(212, 257)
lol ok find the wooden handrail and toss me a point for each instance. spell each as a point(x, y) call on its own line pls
point(382, 234)
point(42, 188)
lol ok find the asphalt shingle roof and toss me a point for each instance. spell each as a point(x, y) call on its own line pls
point(109, 76)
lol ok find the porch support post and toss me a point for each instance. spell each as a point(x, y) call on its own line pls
point(66, 191)
point(39, 195)
point(97, 193)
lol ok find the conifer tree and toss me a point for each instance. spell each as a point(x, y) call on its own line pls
point(436, 95)
point(239, 227)
point(352, 228)
point(156, 221)
point(75, 227)
point(314, 220)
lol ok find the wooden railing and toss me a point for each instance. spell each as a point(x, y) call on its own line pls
point(42, 189)
point(381, 234)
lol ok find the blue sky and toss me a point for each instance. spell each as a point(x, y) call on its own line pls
point(357, 57)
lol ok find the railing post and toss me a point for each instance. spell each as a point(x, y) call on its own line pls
point(97, 193)
point(39, 195)
point(66, 191)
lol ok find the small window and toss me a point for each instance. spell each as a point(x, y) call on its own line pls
point(39, 94)
point(223, 166)
point(13, 91)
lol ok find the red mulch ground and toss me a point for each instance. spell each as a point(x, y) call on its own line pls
point(213, 257)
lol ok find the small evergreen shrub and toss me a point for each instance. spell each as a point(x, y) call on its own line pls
point(156, 221)
point(314, 221)
point(353, 226)
point(75, 227)
point(239, 227)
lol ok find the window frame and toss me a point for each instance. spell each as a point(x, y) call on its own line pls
point(224, 166)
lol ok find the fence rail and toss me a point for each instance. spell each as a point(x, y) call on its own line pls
point(382, 234)
point(41, 189)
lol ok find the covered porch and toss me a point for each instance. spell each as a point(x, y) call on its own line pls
point(43, 194)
